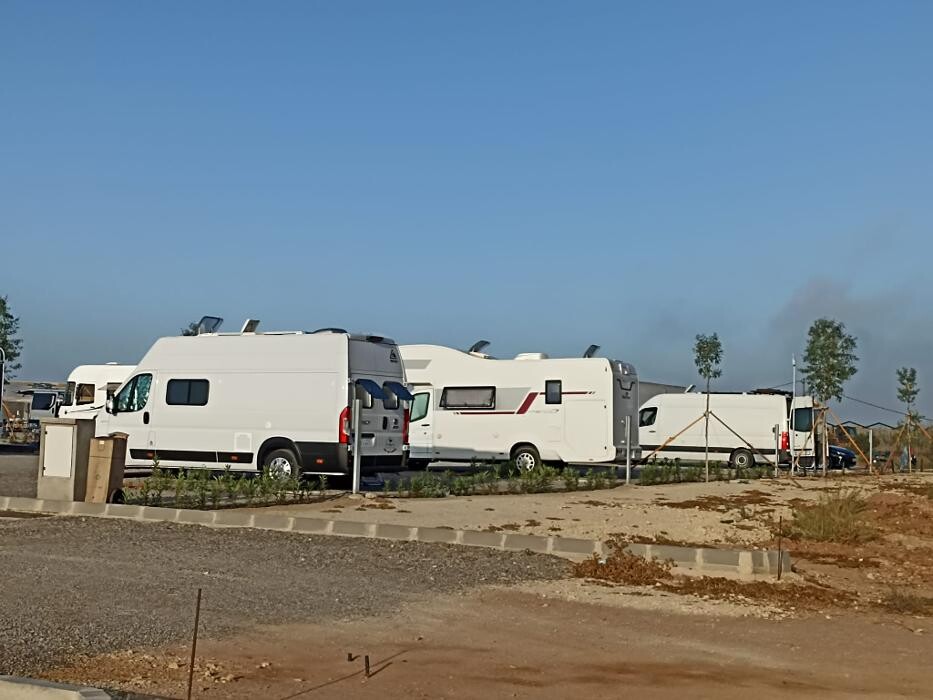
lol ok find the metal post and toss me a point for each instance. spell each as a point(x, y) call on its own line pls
point(194, 643)
point(871, 449)
point(793, 410)
point(777, 449)
point(357, 407)
point(628, 450)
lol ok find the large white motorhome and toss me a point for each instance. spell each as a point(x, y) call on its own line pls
point(752, 416)
point(468, 405)
point(250, 401)
point(89, 387)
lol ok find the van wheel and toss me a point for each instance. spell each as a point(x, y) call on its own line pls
point(282, 462)
point(526, 458)
point(742, 459)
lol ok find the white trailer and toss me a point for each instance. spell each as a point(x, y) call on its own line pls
point(470, 406)
point(751, 416)
point(89, 387)
point(252, 401)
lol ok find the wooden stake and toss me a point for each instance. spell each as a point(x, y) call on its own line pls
point(194, 643)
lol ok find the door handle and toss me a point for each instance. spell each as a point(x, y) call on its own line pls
point(146, 417)
point(425, 425)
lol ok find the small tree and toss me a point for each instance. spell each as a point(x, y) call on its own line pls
point(707, 354)
point(830, 361)
point(191, 329)
point(12, 346)
point(907, 393)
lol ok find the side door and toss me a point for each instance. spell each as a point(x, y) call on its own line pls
point(420, 431)
point(132, 415)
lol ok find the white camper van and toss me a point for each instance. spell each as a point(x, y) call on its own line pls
point(89, 387)
point(468, 405)
point(752, 416)
point(263, 400)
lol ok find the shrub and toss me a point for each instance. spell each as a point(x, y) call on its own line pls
point(570, 478)
point(836, 517)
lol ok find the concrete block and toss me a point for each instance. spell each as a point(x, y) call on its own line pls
point(166, 515)
point(520, 543)
point(311, 526)
point(685, 556)
point(721, 558)
point(13, 688)
point(270, 521)
point(4, 501)
point(638, 549)
point(24, 505)
point(393, 532)
point(746, 564)
point(352, 528)
point(436, 534)
point(196, 517)
point(121, 510)
point(233, 518)
point(573, 545)
point(482, 539)
point(91, 509)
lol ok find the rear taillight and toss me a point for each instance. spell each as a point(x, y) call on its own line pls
point(343, 426)
point(785, 440)
point(406, 424)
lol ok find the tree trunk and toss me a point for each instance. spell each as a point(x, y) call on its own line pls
point(825, 447)
point(706, 431)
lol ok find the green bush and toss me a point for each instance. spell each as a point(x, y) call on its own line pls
point(837, 517)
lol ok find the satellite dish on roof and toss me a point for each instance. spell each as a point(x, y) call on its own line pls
point(209, 324)
point(590, 351)
point(479, 346)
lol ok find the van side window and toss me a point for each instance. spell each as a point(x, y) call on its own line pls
point(390, 402)
point(70, 394)
point(419, 406)
point(469, 397)
point(647, 416)
point(187, 392)
point(84, 394)
point(135, 395)
point(552, 391)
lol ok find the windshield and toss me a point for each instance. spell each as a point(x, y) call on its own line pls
point(70, 394)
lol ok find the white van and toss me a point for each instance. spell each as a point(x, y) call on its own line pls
point(752, 416)
point(89, 387)
point(468, 405)
point(253, 401)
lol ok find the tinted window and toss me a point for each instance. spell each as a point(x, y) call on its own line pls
point(187, 392)
point(419, 406)
point(390, 402)
point(552, 391)
point(135, 394)
point(84, 394)
point(647, 416)
point(803, 420)
point(42, 402)
point(366, 399)
point(469, 397)
point(70, 394)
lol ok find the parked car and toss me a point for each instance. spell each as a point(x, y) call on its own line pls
point(881, 458)
point(841, 457)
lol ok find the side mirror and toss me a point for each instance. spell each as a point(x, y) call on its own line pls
point(111, 406)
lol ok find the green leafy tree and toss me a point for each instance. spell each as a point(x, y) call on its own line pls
point(907, 391)
point(191, 329)
point(829, 362)
point(707, 354)
point(11, 344)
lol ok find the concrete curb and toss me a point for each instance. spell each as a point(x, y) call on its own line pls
point(13, 688)
point(744, 563)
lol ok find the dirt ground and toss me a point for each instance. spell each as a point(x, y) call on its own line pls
point(534, 642)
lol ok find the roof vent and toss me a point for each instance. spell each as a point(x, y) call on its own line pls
point(590, 351)
point(531, 356)
point(331, 330)
point(209, 324)
point(250, 326)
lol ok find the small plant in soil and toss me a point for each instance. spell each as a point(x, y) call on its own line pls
point(837, 517)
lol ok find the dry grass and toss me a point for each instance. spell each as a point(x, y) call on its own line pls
point(907, 603)
point(623, 567)
point(839, 516)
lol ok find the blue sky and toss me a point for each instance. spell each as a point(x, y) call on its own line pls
point(543, 175)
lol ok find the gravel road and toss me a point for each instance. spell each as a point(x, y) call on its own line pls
point(81, 585)
point(18, 473)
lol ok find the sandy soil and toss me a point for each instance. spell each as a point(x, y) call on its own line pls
point(536, 643)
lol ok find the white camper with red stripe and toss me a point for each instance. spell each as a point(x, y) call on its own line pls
point(531, 409)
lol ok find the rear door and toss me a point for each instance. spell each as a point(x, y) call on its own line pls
point(377, 377)
point(422, 430)
point(801, 420)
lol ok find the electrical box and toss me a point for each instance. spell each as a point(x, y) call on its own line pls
point(64, 449)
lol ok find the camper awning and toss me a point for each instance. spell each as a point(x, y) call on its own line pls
point(372, 388)
point(400, 391)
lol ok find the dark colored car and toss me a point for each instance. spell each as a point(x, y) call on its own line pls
point(841, 457)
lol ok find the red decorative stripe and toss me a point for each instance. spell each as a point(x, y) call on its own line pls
point(526, 404)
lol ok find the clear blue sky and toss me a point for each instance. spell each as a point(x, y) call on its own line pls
point(540, 174)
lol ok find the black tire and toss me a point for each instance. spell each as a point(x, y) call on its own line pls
point(742, 460)
point(282, 460)
point(526, 458)
point(417, 464)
